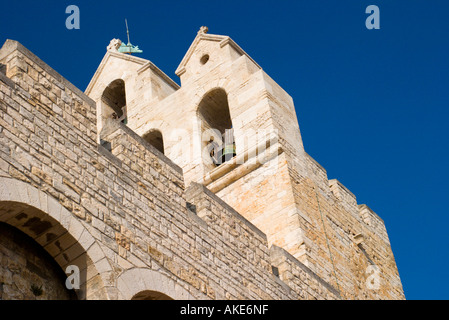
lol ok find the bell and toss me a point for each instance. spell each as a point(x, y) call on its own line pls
point(228, 152)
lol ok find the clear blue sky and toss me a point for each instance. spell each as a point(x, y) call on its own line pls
point(372, 104)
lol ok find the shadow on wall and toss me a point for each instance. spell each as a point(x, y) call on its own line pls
point(27, 271)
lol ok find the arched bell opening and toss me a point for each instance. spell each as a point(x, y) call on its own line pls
point(155, 138)
point(217, 134)
point(113, 102)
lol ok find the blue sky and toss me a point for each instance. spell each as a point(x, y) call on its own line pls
point(372, 105)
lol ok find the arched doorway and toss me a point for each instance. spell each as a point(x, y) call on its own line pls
point(151, 295)
point(57, 231)
point(27, 271)
point(147, 284)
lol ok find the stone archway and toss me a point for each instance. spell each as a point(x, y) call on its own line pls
point(146, 284)
point(150, 295)
point(60, 233)
point(114, 101)
point(155, 138)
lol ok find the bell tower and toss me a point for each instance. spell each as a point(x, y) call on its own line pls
point(229, 126)
point(233, 129)
point(227, 83)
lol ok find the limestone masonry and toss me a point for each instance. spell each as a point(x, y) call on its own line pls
point(153, 190)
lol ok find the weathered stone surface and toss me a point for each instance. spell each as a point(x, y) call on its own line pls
point(137, 219)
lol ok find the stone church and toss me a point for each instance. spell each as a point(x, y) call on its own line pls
point(140, 188)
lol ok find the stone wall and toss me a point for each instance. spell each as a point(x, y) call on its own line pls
point(121, 205)
point(346, 244)
point(300, 278)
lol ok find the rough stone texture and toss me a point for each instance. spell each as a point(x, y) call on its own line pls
point(26, 272)
point(94, 193)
